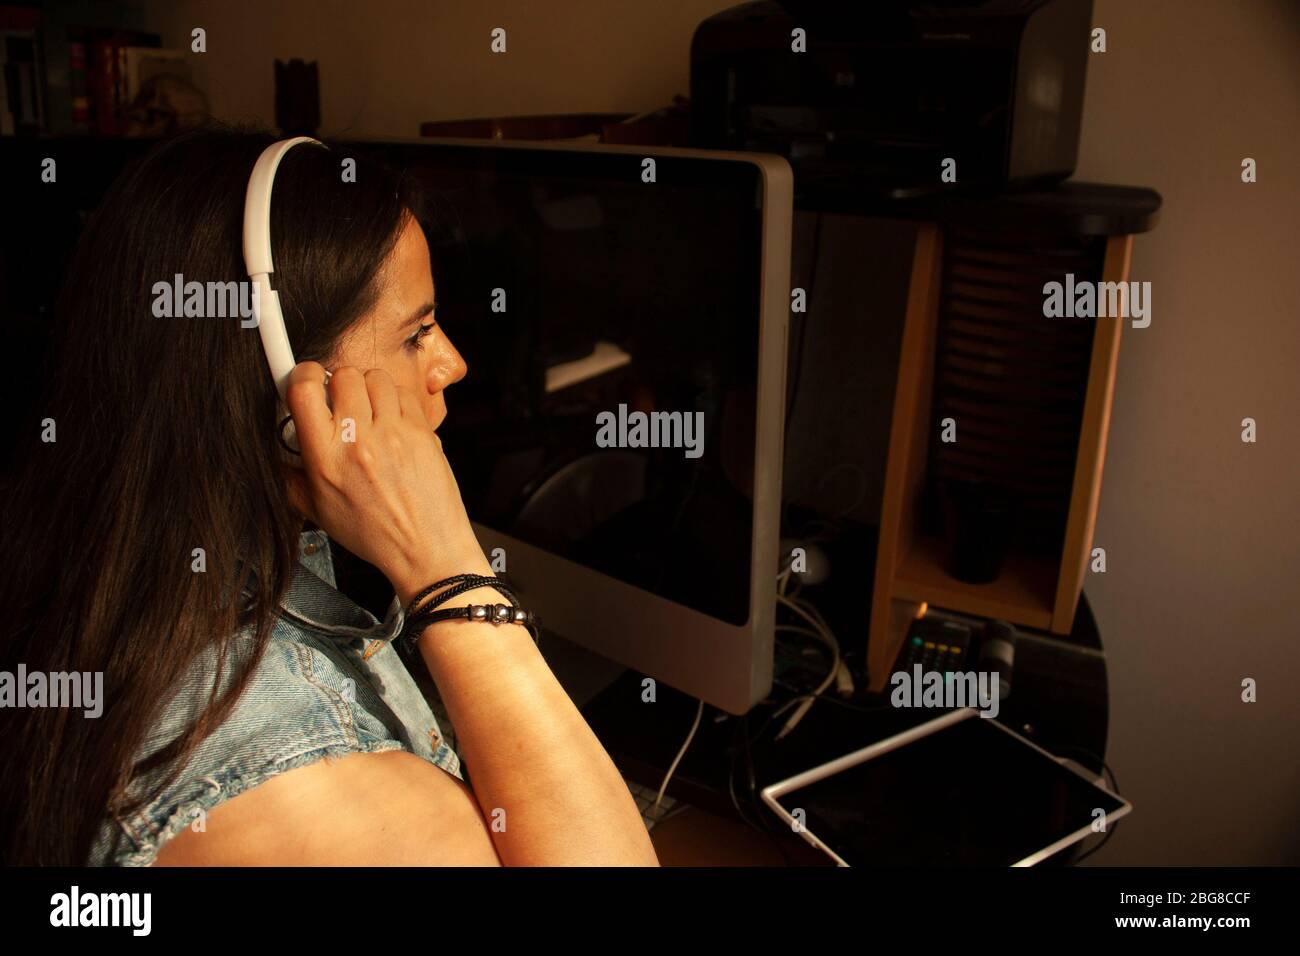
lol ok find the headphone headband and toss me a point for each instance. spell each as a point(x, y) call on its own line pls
point(259, 263)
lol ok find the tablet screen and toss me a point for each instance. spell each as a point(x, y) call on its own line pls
point(969, 794)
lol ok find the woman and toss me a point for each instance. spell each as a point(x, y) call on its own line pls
point(252, 713)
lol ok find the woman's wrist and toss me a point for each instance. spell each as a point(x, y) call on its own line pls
point(409, 583)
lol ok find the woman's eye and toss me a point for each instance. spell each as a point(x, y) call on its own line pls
point(414, 341)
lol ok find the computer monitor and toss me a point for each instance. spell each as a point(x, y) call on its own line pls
point(618, 439)
point(577, 279)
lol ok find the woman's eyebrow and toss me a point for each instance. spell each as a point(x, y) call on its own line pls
point(418, 314)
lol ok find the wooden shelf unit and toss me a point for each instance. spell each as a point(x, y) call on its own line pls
point(1034, 591)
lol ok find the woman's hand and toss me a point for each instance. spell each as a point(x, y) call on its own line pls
point(375, 477)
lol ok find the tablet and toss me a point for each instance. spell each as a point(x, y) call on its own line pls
point(960, 790)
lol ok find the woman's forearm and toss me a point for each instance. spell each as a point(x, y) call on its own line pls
point(549, 792)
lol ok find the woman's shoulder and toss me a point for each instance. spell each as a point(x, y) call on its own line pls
point(302, 703)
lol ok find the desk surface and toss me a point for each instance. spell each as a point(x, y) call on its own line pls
point(697, 837)
point(1058, 700)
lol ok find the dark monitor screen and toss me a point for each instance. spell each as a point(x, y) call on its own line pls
point(970, 794)
point(541, 257)
point(584, 251)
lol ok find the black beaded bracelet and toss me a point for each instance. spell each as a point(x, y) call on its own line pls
point(463, 582)
point(418, 618)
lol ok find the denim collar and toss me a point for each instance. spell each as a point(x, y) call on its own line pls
point(314, 600)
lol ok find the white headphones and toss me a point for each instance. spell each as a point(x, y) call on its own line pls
point(260, 266)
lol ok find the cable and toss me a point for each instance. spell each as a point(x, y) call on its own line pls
point(763, 826)
point(808, 611)
point(763, 818)
point(681, 753)
point(783, 579)
point(731, 789)
point(863, 485)
point(797, 363)
point(1109, 833)
point(846, 705)
point(803, 322)
point(795, 629)
point(1114, 786)
point(824, 632)
point(821, 631)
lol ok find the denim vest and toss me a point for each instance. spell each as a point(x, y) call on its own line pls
point(331, 683)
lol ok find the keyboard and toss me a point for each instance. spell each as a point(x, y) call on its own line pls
point(645, 798)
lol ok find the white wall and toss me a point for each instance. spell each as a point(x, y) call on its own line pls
point(388, 65)
point(1202, 532)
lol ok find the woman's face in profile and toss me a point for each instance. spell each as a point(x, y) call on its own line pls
point(399, 334)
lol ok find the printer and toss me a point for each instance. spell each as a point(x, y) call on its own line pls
point(875, 97)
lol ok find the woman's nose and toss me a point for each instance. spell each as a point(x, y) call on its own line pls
point(448, 368)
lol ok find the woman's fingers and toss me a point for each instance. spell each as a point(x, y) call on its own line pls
point(306, 398)
point(411, 405)
point(350, 399)
point(382, 390)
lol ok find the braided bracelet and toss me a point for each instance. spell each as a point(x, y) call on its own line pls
point(418, 618)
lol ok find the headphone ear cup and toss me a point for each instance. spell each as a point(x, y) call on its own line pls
point(287, 434)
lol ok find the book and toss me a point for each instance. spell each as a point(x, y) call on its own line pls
point(107, 76)
point(22, 73)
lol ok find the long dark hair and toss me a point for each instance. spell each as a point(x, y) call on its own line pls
point(165, 442)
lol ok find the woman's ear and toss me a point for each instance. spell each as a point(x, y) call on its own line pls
point(299, 492)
